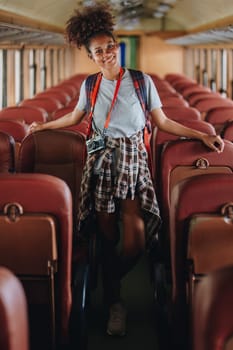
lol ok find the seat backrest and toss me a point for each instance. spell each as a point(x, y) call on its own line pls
point(182, 112)
point(194, 89)
point(212, 317)
point(61, 96)
point(159, 138)
point(7, 153)
point(28, 114)
point(17, 129)
point(37, 211)
point(227, 132)
point(199, 194)
point(13, 313)
point(48, 103)
point(59, 153)
point(203, 96)
point(174, 101)
point(187, 158)
point(61, 112)
point(219, 116)
point(204, 106)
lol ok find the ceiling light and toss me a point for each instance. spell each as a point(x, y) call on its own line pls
point(162, 7)
point(169, 1)
point(158, 14)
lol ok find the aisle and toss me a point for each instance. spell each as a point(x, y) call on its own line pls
point(141, 328)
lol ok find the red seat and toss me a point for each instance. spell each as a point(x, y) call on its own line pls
point(228, 131)
point(202, 96)
point(13, 313)
point(61, 112)
point(7, 153)
point(36, 243)
point(61, 96)
point(160, 138)
point(173, 101)
point(60, 153)
point(204, 106)
point(196, 88)
point(49, 104)
point(212, 319)
point(181, 112)
point(186, 158)
point(219, 116)
point(17, 129)
point(28, 114)
point(196, 196)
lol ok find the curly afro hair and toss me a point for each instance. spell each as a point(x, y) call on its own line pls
point(89, 22)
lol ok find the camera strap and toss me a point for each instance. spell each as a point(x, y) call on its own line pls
point(94, 97)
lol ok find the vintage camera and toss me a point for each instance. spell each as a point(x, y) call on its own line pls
point(95, 144)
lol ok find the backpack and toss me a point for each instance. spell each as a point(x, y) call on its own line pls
point(140, 88)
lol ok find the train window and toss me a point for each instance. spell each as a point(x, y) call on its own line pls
point(197, 65)
point(18, 76)
point(213, 70)
point(51, 65)
point(32, 72)
point(42, 70)
point(223, 84)
point(3, 79)
point(204, 71)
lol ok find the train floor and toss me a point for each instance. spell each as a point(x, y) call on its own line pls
point(142, 321)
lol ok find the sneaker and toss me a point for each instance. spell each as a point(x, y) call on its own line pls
point(117, 320)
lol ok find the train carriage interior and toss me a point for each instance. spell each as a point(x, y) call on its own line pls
point(180, 295)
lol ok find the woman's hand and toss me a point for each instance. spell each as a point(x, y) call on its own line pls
point(35, 126)
point(215, 142)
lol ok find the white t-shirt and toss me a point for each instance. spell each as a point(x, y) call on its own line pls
point(127, 117)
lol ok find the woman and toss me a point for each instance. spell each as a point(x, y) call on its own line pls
point(117, 162)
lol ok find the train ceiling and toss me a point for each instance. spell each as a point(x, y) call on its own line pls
point(185, 22)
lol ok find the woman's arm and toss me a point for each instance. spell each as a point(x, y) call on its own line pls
point(67, 120)
point(159, 119)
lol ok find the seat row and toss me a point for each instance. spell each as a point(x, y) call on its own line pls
point(194, 188)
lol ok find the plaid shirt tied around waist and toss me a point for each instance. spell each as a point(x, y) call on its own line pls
point(123, 173)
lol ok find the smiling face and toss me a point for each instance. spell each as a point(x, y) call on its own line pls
point(103, 49)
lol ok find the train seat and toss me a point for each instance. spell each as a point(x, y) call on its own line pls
point(61, 112)
point(48, 103)
point(28, 114)
point(202, 96)
point(181, 112)
point(14, 333)
point(212, 320)
point(17, 129)
point(7, 153)
point(194, 89)
point(163, 94)
point(219, 116)
point(69, 87)
point(187, 158)
point(60, 153)
point(200, 236)
point(228, 131)
point(172, 77)
point(173, 101)
point(61, 96)
point(36, 244)
point(204, 106)
point(160, 138)
point(182, 84)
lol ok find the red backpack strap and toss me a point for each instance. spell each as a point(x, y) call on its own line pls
point(140, 88)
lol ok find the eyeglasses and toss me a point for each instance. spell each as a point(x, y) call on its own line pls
point(99, 52)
